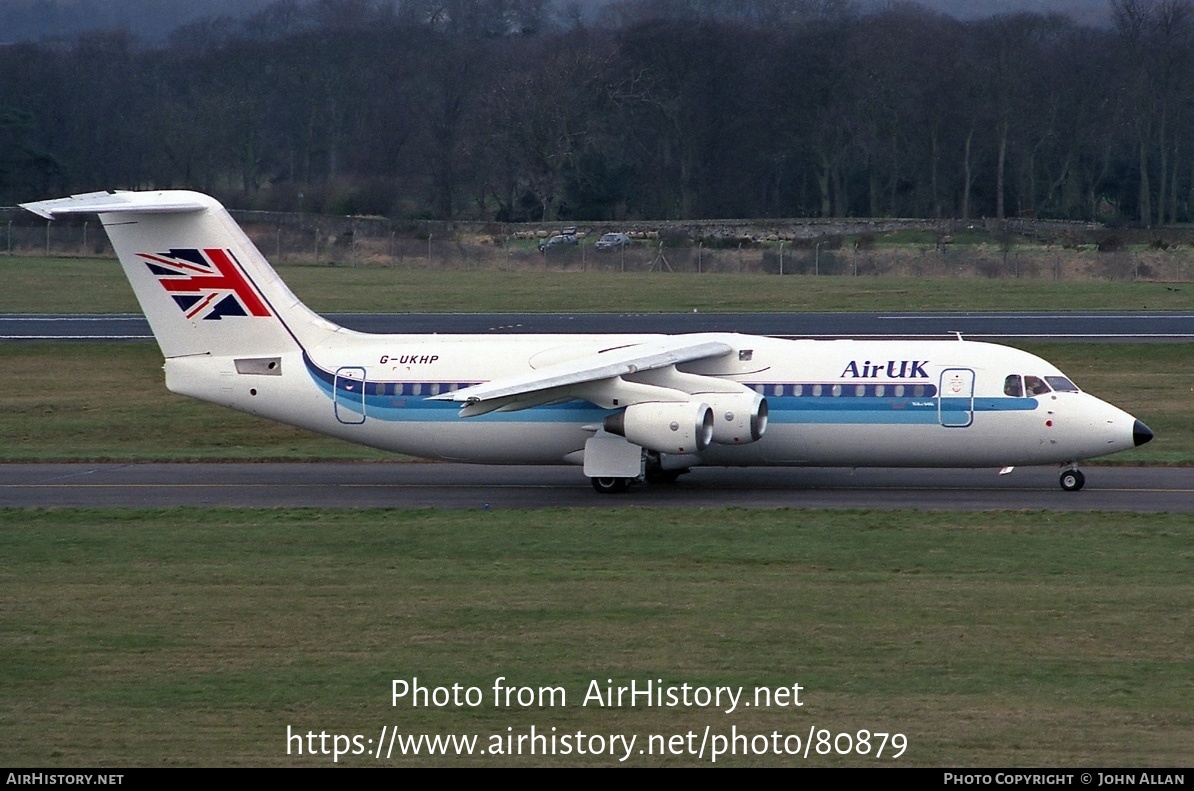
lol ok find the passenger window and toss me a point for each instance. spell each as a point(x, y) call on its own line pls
point(1013, 386)
point(1035, 385)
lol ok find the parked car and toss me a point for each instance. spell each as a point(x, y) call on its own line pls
point(612, 241)
point(559, 240)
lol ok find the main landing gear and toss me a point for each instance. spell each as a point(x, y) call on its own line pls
point(610, 485)
point(654, 474)
point(1072, 479)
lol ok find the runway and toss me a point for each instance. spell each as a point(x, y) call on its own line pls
point(1136, 326)
point(458, 486)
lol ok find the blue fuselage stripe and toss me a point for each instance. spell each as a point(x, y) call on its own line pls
point(397, 401)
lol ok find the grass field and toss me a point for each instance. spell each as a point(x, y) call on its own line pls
point(196, 637)
point(89, 285)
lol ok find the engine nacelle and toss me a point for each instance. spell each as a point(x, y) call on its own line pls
point(738, 418)
point(665, 426)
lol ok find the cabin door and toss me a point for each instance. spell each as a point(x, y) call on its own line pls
point(955, 398)
point(349, 394)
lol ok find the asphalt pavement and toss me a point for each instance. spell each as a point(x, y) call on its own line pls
point(462, 486)
point(1138, 326)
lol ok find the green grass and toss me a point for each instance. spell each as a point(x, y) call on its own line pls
point(196, 636)
point(68, 402)
point(67, 285)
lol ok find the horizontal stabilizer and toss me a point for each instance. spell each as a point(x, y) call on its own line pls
point(164, 202)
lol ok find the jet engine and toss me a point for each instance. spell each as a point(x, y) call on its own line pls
point(665, 426)
point(738, 418)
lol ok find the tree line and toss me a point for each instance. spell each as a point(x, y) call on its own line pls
point(510, 110)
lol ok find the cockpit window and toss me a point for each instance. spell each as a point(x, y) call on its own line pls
point(1035, 385)
point(1013, 386)
point(1061, 384)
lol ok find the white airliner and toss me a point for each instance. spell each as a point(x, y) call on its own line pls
point(625, 407)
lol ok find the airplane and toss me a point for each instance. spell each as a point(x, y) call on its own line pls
point(624, 408)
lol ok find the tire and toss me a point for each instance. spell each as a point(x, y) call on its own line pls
point(610, 485)
point(1072, 480)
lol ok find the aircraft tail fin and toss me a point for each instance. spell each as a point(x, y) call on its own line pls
point(203, 285)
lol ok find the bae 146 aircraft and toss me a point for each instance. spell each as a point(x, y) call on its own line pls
point(626, 408)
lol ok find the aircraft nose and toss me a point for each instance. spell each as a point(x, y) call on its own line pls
point(1141, 433)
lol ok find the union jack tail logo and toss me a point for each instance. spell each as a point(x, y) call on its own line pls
point(206, 284)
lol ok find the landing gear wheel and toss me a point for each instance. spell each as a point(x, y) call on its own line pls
point(1072, 480)
point(610, 485)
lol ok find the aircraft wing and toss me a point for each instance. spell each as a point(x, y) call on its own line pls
point(595, 378)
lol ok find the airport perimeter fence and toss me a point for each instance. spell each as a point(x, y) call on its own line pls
point(823, 247)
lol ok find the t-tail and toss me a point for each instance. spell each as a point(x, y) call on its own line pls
point(203, 285)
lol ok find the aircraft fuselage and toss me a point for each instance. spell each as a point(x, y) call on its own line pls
point(831, 402)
